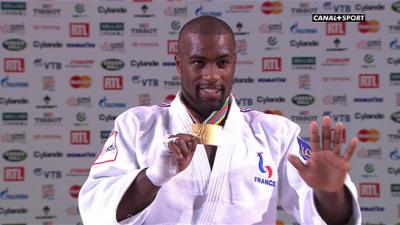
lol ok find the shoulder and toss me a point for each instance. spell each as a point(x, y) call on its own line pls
point(143, 114)
point(268, 123)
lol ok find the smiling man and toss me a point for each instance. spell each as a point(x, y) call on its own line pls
point(204, 160)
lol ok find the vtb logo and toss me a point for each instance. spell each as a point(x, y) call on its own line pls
point(365, 135)
point(271, 64)
point(335, 28)
point(14, 65)
point(263, 168)
point(371, 26)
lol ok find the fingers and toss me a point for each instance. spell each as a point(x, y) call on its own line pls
point(350, 149)
point(182, 145)
point(326, 133)
point(314, 136)
point(337, 138)
point(296, 162)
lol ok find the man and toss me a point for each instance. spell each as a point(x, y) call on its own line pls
point(204, 160)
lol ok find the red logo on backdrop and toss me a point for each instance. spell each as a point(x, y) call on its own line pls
point(343, 134)
point(12, 174)
point(369, 190)
point(14, 65)
point(112, 82)
point(80, 81)
point(79, 30)
point(368, 81)
point(80, 137)
point(371, 26)
point(172, 46)
point(74, 191)
point(271, 64)
point(335, 28)
point(271, 8)
point(365, 135)
point(274, 112)
point(169, 98)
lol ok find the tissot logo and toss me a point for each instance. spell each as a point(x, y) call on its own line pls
point(79, 30)
point(369, 190)
point(271, 64)
point(112, 82)
point(14, 65)
point(172, 47)
point(335, 28)
point(80, 137)
point(368, 80)
point(14, 174)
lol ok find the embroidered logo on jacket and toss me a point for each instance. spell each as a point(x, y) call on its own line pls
point(304, 149)
point(109, 152)
point(261, 167)
point(244, 110)
point(264, 169)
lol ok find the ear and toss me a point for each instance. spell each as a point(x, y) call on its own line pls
point(178, 63)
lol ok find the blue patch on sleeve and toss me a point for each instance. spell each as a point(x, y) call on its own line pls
point(304, 149)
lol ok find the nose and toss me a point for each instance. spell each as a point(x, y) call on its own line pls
point(211, 73)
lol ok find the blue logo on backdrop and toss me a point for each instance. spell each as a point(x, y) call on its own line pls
point(104, 104)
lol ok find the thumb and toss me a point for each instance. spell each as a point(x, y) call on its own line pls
point(296, 162)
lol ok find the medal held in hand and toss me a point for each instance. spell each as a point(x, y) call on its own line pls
point(210, 132)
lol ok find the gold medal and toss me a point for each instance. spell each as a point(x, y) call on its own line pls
point(209, 134)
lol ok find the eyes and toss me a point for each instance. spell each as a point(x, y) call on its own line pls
point(221, 63)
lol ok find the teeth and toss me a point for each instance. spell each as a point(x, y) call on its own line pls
point(210, 89)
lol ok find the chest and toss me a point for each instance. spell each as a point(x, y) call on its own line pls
point(211, 151)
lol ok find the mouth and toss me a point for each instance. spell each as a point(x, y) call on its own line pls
point(210, 92)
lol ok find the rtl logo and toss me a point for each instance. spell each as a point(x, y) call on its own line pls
point(112, 83)
point(343, 134)
point(14, 65)
point(172, 46)
point(14, 174)
point(368, 81)
point(335, 28)
point(271, 64)
point(369, 190)
point(80, 137)
point(79, 30)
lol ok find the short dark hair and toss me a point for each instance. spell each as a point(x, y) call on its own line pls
point(205, 25)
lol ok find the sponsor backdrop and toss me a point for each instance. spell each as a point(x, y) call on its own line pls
point(68, 68)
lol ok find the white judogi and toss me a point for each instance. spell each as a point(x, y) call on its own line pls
point(250, 177)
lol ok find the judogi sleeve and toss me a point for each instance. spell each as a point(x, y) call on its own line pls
point(296, 197)
point(110, 176)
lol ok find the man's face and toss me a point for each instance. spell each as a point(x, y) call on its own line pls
point(207, 66)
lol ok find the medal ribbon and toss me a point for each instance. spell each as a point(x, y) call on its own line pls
point(218, 116)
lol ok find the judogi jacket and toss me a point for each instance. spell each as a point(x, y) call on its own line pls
point(250, 178)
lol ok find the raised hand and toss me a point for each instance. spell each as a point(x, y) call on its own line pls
point(327, 168)
point(173, 159)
